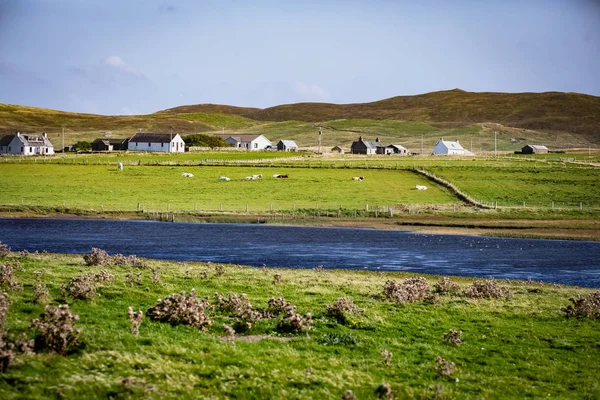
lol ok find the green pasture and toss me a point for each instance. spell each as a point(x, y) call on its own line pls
point(162, 188)
point(536, 184)
point(523, 347)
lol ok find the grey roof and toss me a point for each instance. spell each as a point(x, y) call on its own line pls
point(288, 143)
point(452, 145)
point(27, 140)
point(537, 147)
point(243, 137)
point(153, 137)
point(398, 146)
point(110, 141)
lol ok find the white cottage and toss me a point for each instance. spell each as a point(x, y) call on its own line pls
point(446, 147)
point(247, 141)
point(26, 145)
point(165, 142)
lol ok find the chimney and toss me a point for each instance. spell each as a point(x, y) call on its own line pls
point(456, 140)
point(18, 134)
point(44, 134)
point(377, 139)
point(360, 138)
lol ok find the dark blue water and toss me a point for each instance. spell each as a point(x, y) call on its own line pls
point(558, 261)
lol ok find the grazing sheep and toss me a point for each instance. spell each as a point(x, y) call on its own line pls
point(275, 175)
point(357, 178)
point(120, 166)
point(284, 176)
point(224, 178)
point(187, 175)
point(421, 187)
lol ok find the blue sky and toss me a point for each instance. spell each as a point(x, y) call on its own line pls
point(141, 56)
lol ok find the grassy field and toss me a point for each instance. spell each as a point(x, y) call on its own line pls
point(523, 347)
point(161, 188)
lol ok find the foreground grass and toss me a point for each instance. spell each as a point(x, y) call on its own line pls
point(522, 347)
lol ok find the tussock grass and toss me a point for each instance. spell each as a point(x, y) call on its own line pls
point(521, 347)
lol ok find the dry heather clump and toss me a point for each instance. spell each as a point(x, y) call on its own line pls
point(384, 391)
point(410, 290)
point(155, 276)
point(41, 294)
point(9, 349)
point(84, 287)
point(453, 336)
point(584, 307)
point(487, 289)
point(56, 329)
point(135, 317)
point(319, 268)
point(133, 279)
point(277, 278)
point(219, 269)
point(7, 275)
point(127, 261)
point(291, 321)
point(182, 308)
point(4, 305)
point(445, 286)
point(229, 331)
point(240, 307)
point(4, 249)
point(99, 257)
point(341, 307)
point(444, 367)
point(275, 306)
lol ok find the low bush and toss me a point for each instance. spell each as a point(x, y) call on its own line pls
point(410, 290)
point(7, 275)
point(338, 339)
point(487, 289)
point(387, 357)
point(182, 308)
point(84, 287)
point(444, 367)
point(446, 286)
point(135, 317)
point(133, 278)
point(584, 307)
point(384, 391)
point(99, 257)
point(453, 336)
point(56, 329)
point(293, 322)
point(41, 294)
point(240, 307)
point(4, 249)
point(340, 308)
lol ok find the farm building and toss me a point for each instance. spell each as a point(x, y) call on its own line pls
point(247, 141)
point(446, 147)
point(367, 147)
point(104, 144)
point(397, 149)
point(338, 149)
point(287, 145)
point(534, 149)
point(164, 142)
point(26, 145)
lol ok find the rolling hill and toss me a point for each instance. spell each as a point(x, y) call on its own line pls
point(555, 118)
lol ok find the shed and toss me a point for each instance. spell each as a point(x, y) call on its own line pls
point(287, 145)
point(534, 149)
point(104, 144)
point(338, 149)
point(397, 149)
point(367, 147)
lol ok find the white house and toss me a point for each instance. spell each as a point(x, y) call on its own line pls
point(287, 145)
point(247, 141)
point(165, 142)
point(26, 145)
point(450, 148)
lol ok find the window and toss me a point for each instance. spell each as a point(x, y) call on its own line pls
point(21, 149)
point(148, 144)
point(30, 148)
point(256, 145)
point(162, 145)
point(9, 148)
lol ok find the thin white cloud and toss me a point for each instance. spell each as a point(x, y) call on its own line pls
point(310, 91)
point(118, 63)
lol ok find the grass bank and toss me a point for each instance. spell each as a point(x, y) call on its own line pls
point(519, 347)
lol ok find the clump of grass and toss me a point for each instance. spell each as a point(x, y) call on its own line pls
point(219, 269)
point(341, 307)
point(444, 367)
point(384, 391)
point(4, 306)
point(487, 289)
point(277, 278)
point(240, 307)
point(56, 329)
point(99, 257)
point(319, 268)
point(4, 249)
point(41, 294)
point(348, 395)
point(453, 336)
point(446, 287)
point(133, 278)
point(338, 339)
point(135, 317)
point(155, 277)
point(410, 290)
point(584, 307)
point(229, 331)
point(182, 308)
point(387, 357)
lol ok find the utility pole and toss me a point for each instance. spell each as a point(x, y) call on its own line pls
point(320, 135)
point(63, 140)
point(171, 141)
point(421, 144)
point(495, 152)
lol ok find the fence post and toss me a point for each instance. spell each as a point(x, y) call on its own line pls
point(221, 207)
point(367, 207)
point(553, 204)
point(523, 204)
point(246, 207)
point(138, 209)
point(271, 207)
point(581, 205)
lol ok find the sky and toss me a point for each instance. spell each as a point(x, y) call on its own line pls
point(119, 57)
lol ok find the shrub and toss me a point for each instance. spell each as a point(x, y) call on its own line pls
point(240, 307)
point(4, 249)
point(584, 307)
point(291, 321)
point(410, 290)
point(453, 336)
point(384, 391)
point(155, 276)
point(277, 278)
point(444, 367)
point(127, 261)
point(97, 257)
point(229, 331)
point(319, 268)
point(338, 339)
point(275, 306)
point(135, 317)
point(84, 287)
point(487, 289)
point(10, 348)
point(41, 295)
point(133, 278)
point(4, 305)
point(340, 307)
point(182, 308)
point(445, 286)
point(387, 357)
point(219, 269)
point(56, 329)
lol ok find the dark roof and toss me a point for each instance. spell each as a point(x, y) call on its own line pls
point(152, 137)
point(536, 147)
point(110, 141)
point(5, 141)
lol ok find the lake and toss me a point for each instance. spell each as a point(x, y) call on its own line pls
point(557, 261)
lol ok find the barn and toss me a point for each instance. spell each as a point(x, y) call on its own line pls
point(104, 144)
point(397, 149)
point(534, 149)
point(287, 145)
point(338, 150)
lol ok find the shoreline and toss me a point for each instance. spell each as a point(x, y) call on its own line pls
point(582, 230)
